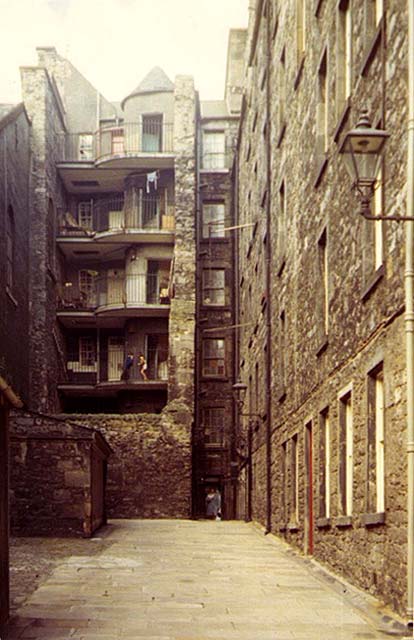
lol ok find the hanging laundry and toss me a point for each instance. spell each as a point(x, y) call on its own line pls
point(152, 179)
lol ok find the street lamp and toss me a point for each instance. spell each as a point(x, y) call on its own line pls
point(362, 149)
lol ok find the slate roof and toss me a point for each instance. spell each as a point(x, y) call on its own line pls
point(154, 82)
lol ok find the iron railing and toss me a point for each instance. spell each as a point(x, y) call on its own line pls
point(109, 366)
point(151, 136)
point(140, 212)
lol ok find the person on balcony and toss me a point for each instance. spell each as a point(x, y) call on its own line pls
point(142, 366)
point(129, 361)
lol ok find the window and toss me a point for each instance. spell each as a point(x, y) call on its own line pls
point(117, 141)
point(87, 351)
point(213, 220)
point(344, 55)
point(284, 483)
point(300, 28)
point(213, 425)
point(85, 214)
point(375, 437)
point(281, 221)
point(214, 286)
point(377, 208)
point(213, 357)
point(10, 248)
point(324, 464)
point(322, 115)
point(213, 150)
point(324, 284)
point(282, 90)
point(152, 132)
point(374, 11)
point(282, 353)
point(346, 454)
point(51, 233)
point(87, 286)
point(294, 479)
point(85, 146)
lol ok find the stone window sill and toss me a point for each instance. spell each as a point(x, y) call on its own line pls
point(11, 297)
point(323, 523)
point(292, 526)
point(373, 283)
point(320, 171)
point(217, 170)
point(299, 72)
point(343, 522)
point(372, 49)
point(342, 120)
point(373, 519)
point(323, 345)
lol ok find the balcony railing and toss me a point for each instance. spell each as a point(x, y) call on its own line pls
point(142, 213)
point(135, 290)
point(87, 369)
point(150, 136)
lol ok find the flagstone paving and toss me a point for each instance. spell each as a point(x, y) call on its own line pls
point(189, 580)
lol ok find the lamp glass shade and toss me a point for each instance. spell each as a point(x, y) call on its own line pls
point(362, 150)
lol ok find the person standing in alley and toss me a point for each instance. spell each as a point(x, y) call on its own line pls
point(213, 504)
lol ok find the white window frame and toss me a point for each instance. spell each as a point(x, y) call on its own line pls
point(210, 286)
point(214, 149)
point(85, 214)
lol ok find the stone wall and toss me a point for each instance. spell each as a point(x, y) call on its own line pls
point(71, 501)
point(149, 471)
point(325, 340)
point(4, 511)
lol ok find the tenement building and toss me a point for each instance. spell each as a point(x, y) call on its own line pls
point(321, 305)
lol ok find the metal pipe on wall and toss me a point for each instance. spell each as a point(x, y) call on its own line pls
point(409, 315)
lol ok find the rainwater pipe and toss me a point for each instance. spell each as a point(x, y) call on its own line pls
point(409, 316)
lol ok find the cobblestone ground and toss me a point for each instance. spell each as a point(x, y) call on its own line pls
point(180, 580)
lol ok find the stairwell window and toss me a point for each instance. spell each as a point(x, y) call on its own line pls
point(375, 439)
point(214, 425)
point(213, 220)
point(214, 287)
point(214, 357)
point(213, 150)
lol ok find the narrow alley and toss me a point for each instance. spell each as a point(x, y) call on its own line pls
point(182, 580)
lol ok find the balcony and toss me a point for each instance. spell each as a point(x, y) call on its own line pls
point(151, 137)
point(141, 218)
point(142, 294)
point(107, 369)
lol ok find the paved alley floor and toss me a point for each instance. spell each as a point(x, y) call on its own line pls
point(187, 580)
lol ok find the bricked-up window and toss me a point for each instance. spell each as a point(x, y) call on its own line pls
point(343, 55)
point(152, 132)
point(323, 279)
point(85, 214)
point(10, 232)
point(300, 28)
point(85, 148)
point(87, 352)
point(213, 220)
point(346, 454)
point(375, 438)
point(294, 480)
point(213, 357)
point(322, 114)
point(324, 465)
point(214, 150)
point(213, 425)
point(214, 287)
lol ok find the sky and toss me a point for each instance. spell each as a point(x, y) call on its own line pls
point(114, 43)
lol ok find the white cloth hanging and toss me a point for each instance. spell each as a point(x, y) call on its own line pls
point(152, 179)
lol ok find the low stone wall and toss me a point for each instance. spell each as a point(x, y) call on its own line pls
point(149, 471)
point(56, 476)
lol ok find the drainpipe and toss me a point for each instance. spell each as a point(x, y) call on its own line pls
point(409, 315)
point(268, 284)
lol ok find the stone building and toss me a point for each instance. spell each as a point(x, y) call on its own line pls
point(321, 303)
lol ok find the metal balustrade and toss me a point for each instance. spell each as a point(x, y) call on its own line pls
point(140, 212)
point(151, 136)
point(109, 367)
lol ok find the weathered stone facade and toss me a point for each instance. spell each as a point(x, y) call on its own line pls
point(72, 500)
point(149, 472)
point(334, 286)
